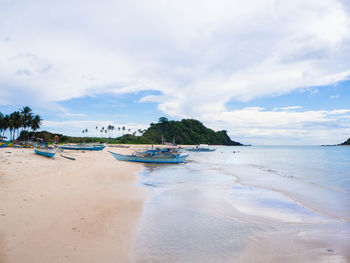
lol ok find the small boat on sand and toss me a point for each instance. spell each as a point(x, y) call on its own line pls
point(46, 151)
point(150, 158)
point(84, 147)
point(201, 148)
point(6, 144)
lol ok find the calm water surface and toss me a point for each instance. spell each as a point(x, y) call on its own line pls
point(232, 205)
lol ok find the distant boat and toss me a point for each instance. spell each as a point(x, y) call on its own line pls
point(84, 147)
point(23, 146)
point(118, 146)
point(149, 158)
point(46, 151)
point(201, 148)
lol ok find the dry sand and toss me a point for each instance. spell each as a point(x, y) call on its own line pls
point(59, 210)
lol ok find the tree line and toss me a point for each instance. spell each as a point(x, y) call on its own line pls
point(110, 129)
point(22, 120)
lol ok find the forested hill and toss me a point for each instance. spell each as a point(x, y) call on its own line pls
point(186, 131)
point(346, 142)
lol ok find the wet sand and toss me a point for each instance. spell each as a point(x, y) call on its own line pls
point(61, 210)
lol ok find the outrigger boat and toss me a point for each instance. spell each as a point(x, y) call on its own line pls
point(84, 147)
point(162, 151)
point(201, 148)
point(152, 156)
point(46, 151)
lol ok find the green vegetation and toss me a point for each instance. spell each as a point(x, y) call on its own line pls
point(186, 131)
point(17, 121)
point(49, 137)
point(346, 142)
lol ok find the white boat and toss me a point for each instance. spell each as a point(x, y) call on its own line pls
point(201, 148)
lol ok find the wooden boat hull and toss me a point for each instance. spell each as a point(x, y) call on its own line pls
point(6, 144)
point(46, 152)
point(83, 148)
point(132, 158)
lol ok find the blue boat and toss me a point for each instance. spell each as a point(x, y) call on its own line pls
point(156, 158)
point(201, 148)
point(4, 144)
point(46, 151)
point(84, 147)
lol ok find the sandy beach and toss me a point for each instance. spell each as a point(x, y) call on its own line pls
point(59, 210)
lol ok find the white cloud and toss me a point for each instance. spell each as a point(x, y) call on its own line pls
point(335, 96)
point(291, 108)
point(259, 126)
point(254, 125)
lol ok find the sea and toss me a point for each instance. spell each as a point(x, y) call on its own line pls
point(248, 204)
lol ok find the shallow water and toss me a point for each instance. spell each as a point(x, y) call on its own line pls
point(229, 207)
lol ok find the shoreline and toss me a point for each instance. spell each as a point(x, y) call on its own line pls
point(61, 210)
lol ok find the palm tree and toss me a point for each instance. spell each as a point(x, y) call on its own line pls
point(123, 129)
point(5, 124)
point(2, 124)
point(112, 128)
point(27, 116)
point(96, 130)
point(109, 128)
point(16, 123)
point(35, 123)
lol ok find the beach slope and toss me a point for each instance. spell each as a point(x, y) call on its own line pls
point(59, 210)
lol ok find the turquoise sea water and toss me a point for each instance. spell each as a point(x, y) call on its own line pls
point(232, 205)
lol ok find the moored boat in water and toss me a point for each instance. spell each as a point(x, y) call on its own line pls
point(201, 148)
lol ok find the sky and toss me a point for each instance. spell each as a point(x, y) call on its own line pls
point(269, 72)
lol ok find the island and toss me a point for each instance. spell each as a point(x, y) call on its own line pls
point(346, 142)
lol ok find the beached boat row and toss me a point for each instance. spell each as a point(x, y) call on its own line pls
point(157, 155)
point(51, 151)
